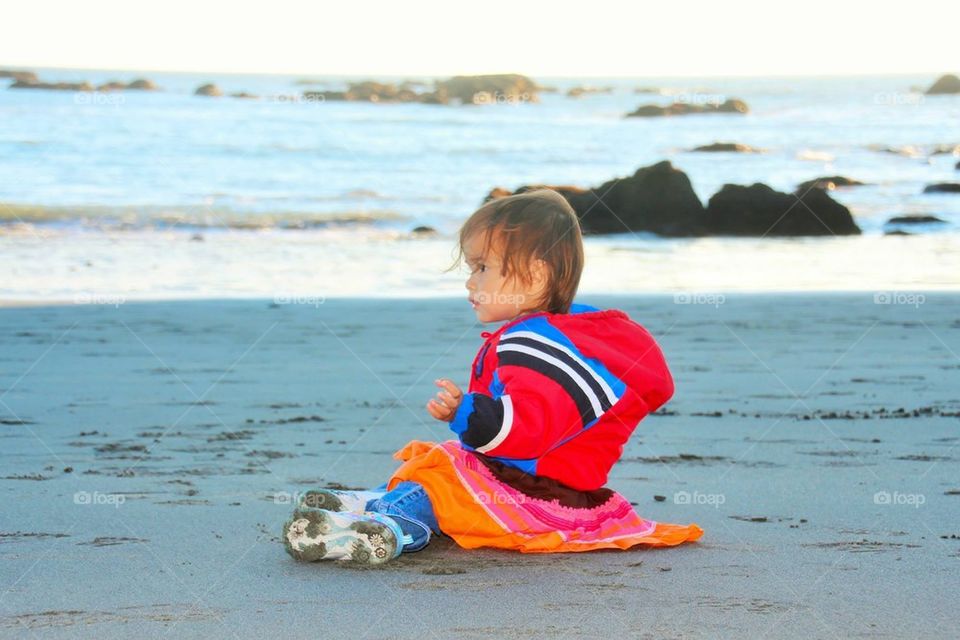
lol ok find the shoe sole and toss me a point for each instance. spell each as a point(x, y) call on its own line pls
point(318, 534)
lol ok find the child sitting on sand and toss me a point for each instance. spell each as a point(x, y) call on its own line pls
point(554, 394)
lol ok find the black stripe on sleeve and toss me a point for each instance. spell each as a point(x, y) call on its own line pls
point(588, 376)
point(484, 423)
point(555, 373)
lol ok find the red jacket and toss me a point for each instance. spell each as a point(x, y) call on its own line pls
point(558, 395)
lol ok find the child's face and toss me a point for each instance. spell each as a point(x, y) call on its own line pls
point(493, 297)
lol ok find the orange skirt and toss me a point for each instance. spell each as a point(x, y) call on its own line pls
point(476, 509)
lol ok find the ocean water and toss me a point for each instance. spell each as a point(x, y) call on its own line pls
point(167, 194)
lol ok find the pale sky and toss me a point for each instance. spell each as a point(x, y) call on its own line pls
point(447, 37)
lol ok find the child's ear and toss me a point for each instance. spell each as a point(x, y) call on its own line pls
point(540, 272)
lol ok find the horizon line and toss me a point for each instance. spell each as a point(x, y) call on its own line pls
point(935, 73)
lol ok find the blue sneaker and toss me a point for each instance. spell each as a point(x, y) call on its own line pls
point(338, 500)
point(365, 538)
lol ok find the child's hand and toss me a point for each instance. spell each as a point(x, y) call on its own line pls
point(444, 407)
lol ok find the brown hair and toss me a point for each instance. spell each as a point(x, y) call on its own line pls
point(536, 224)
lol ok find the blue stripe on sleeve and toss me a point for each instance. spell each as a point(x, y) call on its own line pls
point(459, 422)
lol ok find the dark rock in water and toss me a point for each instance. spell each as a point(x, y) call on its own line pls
point(945, 150)
point(467, 89)
point(321, 96)
point(368, 91)
point(758, 210)
point(653, 110)
point(20, 76)
point(733, 106)
point(897, 232)
point(434, 97)
point(945, 84)
point(915, 219)
point(378, 92)
point(423, 230)
point(53, 86)
point(657, 199)
point(578, 92)
point(490, 89)
point(942, 187)
point(140, 84)
point(829, 183)
point(957, 167)
point(683, 108)
point(245, 95)
point(733, 147)
point(211, 90)
point(660, 199)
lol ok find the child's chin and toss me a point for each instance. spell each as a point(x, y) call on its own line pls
point(488, 318)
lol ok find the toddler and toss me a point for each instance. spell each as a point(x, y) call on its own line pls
point(554, 394)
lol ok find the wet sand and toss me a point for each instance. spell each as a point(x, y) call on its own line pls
point(149, 451)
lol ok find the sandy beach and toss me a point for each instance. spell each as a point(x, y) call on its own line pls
point(150, 452)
